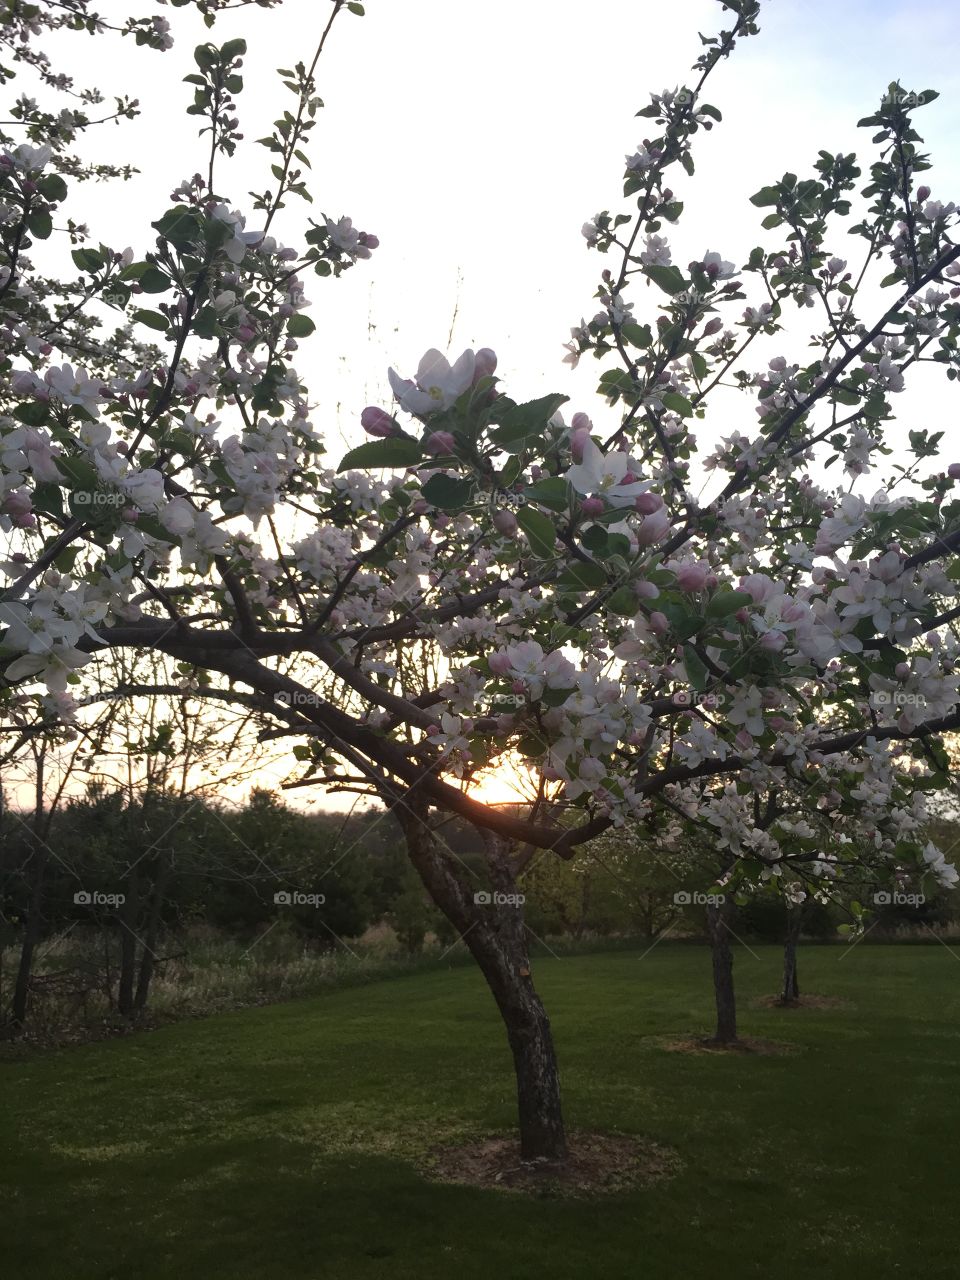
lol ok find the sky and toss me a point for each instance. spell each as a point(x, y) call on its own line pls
point(476, 140)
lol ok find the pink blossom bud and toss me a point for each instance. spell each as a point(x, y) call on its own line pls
point(581, 422)
point(499, 663)
point(420, 507)
point(692, 577)
point(578, 442)
point(439, 442)
point(772, 641)
point(377, 422)
point(646, 591)
point(122, 447)
point(712, 582)
point(902, 670)
point(743, 740)
point(742, 616)
point(505, 522)
point(592, 506)
point(953, 471)
point(923, 193)
point(442, 522)
point(432, 730)
point(713, 326)
point(485, 364)
point(648, 503)
point(551, 774)
point(654, 528)
point(518, 686)
point(130, 514)
point(369, 239)
point(658, 623)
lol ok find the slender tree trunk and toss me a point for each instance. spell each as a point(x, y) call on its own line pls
point(31, 936)
point(495, 935)
point(790, 992)
point(127, 917)
point(718, 923)
point(148, 958)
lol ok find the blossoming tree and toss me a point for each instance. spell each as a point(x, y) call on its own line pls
point(638, 648)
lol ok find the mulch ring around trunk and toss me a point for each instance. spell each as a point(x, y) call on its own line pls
point(597, 1164)
point(746, 1045)
point(803, 1002)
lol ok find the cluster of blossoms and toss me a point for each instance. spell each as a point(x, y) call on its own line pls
point(650, 625)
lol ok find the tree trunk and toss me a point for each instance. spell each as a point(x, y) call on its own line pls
point(148, 959)
point(718, 918)
point(495, 936)
point(127, 918)
point(790, 992)
point(31, 936)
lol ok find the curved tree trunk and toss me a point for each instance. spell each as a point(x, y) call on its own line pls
point(495, 936)
point(718, 918)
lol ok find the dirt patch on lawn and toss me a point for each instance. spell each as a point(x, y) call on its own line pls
point(804, 1002)
point(597, 1164)
point(747, 1045)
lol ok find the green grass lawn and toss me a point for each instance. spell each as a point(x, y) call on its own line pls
point(282, 1142)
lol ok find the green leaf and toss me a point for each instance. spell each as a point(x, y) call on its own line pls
point(300, 326)
point(447, 492)
point(638, 335)
point(152, 319)
point(678, 403)
point(623, 601)
point(727, 602)
point(581, 576)
point(40, 225)
point(52, 187)
point(766, 195)
point(154, 281)
point(552, 492)
point(397, 451)
point(33, 412)
point(669, 279)
point(520, 421)
point(697, 673)
point(87, 259)
point(540, 531)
